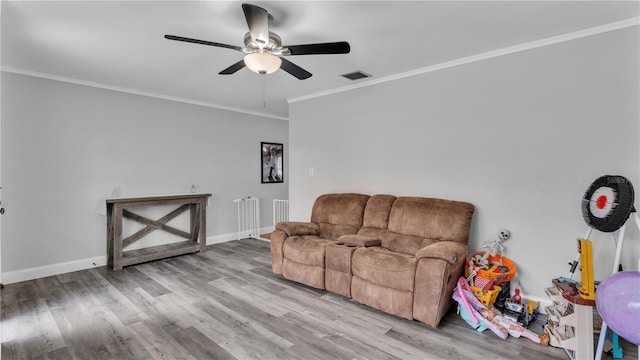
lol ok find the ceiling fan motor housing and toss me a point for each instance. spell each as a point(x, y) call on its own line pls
point(274, 46)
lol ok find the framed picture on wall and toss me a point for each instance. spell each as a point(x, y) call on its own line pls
point(271, 156)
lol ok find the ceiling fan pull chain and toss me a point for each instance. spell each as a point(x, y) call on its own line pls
point(264, 90)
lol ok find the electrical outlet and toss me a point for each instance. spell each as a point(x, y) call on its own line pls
point(504, 234)
point(311, 171)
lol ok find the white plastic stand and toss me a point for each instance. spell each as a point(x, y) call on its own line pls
point(616, 265)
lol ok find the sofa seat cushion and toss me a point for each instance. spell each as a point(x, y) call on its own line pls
point(309, 250)
point(384, 267)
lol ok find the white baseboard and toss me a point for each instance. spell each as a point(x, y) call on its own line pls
point(217, 239)
point(37, 272)
point(234, 236)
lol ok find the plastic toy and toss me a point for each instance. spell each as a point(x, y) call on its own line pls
point(486, 297)
point(608, 202)
point(494, 246)
point(616, 350)
point(587, 290)
point(503, 296)
point(486, 266)
point(606, 207)
point(516, 298)
point(514, 328)
point(523, 312)
point(469, 309)
point(618, 302)
point(481, 317)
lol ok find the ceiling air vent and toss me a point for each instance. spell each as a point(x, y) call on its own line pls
point(356, 75)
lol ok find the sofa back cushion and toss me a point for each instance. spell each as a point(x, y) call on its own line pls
point(376, 216)
point(416, 222)
point(338, 214)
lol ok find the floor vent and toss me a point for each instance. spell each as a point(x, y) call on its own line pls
point(356, 75)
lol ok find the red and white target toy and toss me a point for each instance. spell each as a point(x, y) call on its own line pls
point(608, 202)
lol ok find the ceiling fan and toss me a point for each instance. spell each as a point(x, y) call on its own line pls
point(264, 49)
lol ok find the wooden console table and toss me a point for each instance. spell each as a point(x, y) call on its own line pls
point(118, 209)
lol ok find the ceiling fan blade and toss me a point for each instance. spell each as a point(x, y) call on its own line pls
point(233, 68)
point(340, 47)
point(202, 42)
point(258, 22)
point(294, 69)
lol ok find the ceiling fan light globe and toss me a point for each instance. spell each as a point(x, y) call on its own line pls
point(262, 63)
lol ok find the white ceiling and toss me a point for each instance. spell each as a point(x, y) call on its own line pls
point(120, 44)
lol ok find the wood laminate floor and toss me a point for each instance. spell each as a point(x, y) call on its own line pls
point(225, 304)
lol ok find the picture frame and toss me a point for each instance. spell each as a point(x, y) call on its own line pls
point(272, 162)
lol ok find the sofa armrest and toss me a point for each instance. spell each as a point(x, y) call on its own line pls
point(449, 251)
point(295, 228)
point(359, 240)
point(435, 279)
point(277, 250)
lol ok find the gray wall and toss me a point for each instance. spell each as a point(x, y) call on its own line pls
point(66, 148)
point(520, 136)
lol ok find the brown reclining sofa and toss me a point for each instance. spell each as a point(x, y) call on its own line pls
point(401, 255)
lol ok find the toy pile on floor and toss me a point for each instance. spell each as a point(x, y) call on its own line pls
point(482, 317)
point(484, 300)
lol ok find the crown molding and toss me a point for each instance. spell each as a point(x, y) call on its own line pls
point(480, 57)
point(449, 64)
point(36, 74)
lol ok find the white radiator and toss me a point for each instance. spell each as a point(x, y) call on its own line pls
point(248, 217)
point(280, 211)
